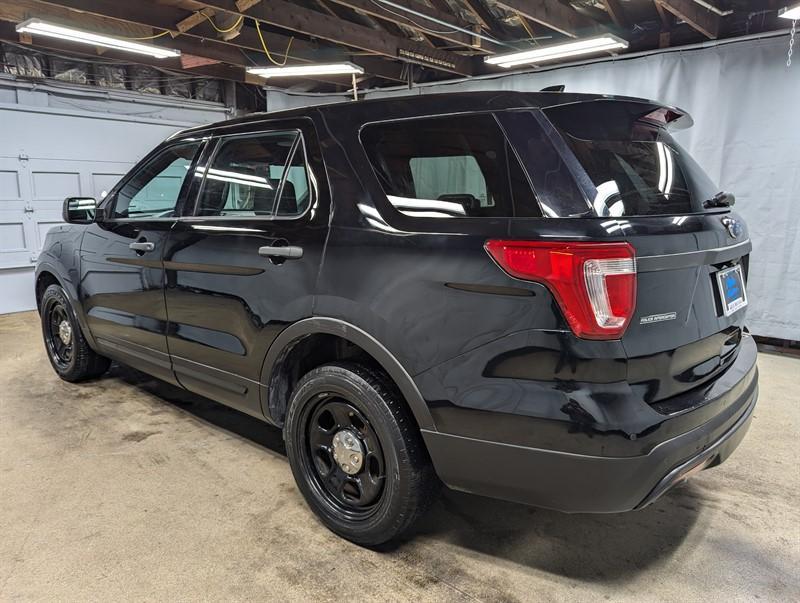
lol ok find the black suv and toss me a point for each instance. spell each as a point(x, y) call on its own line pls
point(537, 297)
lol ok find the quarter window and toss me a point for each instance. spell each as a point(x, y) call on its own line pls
point(260, 175)
point(154, 190)
point(446, 167)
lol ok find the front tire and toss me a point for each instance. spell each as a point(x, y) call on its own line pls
point(67, 349)
point(356, 453)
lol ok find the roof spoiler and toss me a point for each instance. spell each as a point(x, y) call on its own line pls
point(629, 109)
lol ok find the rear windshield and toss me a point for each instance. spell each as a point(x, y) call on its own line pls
point(449, 167)
point(631, 167)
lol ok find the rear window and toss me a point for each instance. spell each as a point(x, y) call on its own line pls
point(449, 167)
point(634, 167)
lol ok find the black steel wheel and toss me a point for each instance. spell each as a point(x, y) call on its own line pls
point(344, 456)
point(67, 349)
point(356, 453)
point(58, 334)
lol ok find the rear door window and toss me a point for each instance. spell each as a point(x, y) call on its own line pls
point(256, 176)
point(446, 167)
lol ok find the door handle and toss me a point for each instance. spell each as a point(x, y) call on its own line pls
point(142, 246)
point(289, 252)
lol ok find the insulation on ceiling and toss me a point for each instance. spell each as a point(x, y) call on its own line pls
point(178, 87)
point(110, 76)
point(209, 90)
point(22, 63)
point(145, 79)
point(65, 70)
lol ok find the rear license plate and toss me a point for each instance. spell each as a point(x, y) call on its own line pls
point(731, 289)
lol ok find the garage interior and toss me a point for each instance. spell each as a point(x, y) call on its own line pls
point(128, 488)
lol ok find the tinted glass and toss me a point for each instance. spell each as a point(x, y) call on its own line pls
point(154, 190)
point(295, 192)
point(246, 177)
point(636, 168)
point(444, 167)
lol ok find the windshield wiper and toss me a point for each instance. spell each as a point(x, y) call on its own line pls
point(721, 199)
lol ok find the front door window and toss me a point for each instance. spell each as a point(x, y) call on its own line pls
point(154, 190)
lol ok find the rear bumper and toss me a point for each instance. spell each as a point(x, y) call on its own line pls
point(584, 483)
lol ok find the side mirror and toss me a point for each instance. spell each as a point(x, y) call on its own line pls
point(79, 210)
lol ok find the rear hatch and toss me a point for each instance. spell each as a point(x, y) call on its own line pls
point(692, 251)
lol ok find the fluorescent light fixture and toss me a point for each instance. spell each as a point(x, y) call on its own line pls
point(558, 51)
point(790, 12)
point(307, 70)
point(42, 28)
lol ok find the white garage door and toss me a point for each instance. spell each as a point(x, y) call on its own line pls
point(31, 195)
point(48, 153)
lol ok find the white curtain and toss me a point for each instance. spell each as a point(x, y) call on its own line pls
point(746, 105)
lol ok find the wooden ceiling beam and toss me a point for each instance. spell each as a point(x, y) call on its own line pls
point(617, 13)
point(159, 16)
point(374, 8)
point(194, 20)
point(113, 18)
point(293, 17)
point(211, 48)
point(219, 71)
point(487, 20)
point(697, 17)
point(554, 15)
point(667, 18)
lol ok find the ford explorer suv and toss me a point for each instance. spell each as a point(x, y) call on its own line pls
point(538, 297)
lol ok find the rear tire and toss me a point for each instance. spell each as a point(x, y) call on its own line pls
point(356, 453)
point(67, 349)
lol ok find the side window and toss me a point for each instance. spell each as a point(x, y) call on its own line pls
point(296, 192)
point(437, 177)
point(256, 176)
point(154, 190)
point(445, 167)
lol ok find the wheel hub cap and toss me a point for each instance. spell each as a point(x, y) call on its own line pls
point(65, 332)
point(348, 452)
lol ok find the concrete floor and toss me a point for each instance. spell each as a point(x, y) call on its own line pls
point(125, 488)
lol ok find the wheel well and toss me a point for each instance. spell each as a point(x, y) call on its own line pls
point(44, 280)
point(307, 353)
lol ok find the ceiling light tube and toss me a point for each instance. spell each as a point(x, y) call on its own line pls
point(790, 12)
point(558, 51)
point(307, 70)
point(42, 28)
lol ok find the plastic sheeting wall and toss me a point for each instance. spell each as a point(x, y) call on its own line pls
point(745, 103)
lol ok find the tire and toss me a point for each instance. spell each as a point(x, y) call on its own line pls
point(395, 483)
point(67, 349)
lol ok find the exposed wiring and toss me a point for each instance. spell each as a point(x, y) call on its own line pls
point(214, 25)
point(410, 20)
point(266, 51)
point(527, 29)
point(163, 33)
point(406, 9)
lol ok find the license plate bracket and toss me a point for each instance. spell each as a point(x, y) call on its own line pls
point(732, 293)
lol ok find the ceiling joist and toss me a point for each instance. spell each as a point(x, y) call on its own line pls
point(554, 15)
point(617, 13)
point(698, 17)
point(112, 17)
point(433, 26)
point(395, 40)
point(285, 15)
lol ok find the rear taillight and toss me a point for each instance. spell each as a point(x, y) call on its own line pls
point(594, 283)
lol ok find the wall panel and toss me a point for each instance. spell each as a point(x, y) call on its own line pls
point(49, 151)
